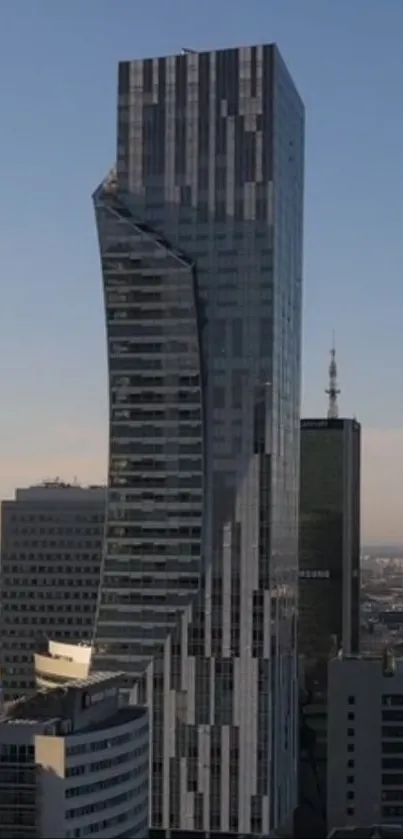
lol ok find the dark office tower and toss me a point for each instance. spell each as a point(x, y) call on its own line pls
point(329, 556)
point(200, 231)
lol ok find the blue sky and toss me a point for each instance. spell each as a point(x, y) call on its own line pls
point(57, 103)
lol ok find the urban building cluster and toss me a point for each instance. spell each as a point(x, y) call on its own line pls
point(73, 763)
point(180, 650)
point(51, 549)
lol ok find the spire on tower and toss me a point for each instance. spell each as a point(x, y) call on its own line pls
point(333, 391)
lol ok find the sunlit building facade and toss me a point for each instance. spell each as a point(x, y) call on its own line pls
point(200, 232)
point(58, 664)
point(74, 763)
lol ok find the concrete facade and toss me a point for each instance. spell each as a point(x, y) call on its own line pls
point(365, 742)
point(74, 763)
point(62, 663)
point(51, 549)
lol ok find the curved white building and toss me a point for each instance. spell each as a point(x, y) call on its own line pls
point(74, 764)
point(61, 663)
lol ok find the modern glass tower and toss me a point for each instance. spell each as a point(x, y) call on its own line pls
point(200, 231)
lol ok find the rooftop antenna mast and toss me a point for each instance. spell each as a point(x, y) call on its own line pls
point(333, 391)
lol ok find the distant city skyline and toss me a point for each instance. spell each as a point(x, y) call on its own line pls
point(82, 453)
point(52, 346)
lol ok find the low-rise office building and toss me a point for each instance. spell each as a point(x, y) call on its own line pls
point(74, 763)
point(51, 551)
point(365, 741)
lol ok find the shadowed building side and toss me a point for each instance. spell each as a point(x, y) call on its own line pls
point(329, 553)
point(329, 585)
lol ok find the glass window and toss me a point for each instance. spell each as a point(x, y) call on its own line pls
point(219, 397)
point(236, 338)
point(219, 327)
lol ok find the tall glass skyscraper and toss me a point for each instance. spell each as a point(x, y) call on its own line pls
point(200, 231)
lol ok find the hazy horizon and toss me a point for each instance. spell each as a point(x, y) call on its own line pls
point(82, 454)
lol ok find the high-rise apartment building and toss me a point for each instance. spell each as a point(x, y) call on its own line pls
point(73, 763)
point(200, 231)
point(329, 555)
point(365, 741)
point(51, 548)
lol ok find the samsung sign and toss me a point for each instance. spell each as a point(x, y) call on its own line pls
point(103, 694)
point(94, 698)
point(331, 424)
point(314, 575)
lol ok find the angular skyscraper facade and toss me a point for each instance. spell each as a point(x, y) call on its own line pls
point(200, 231)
